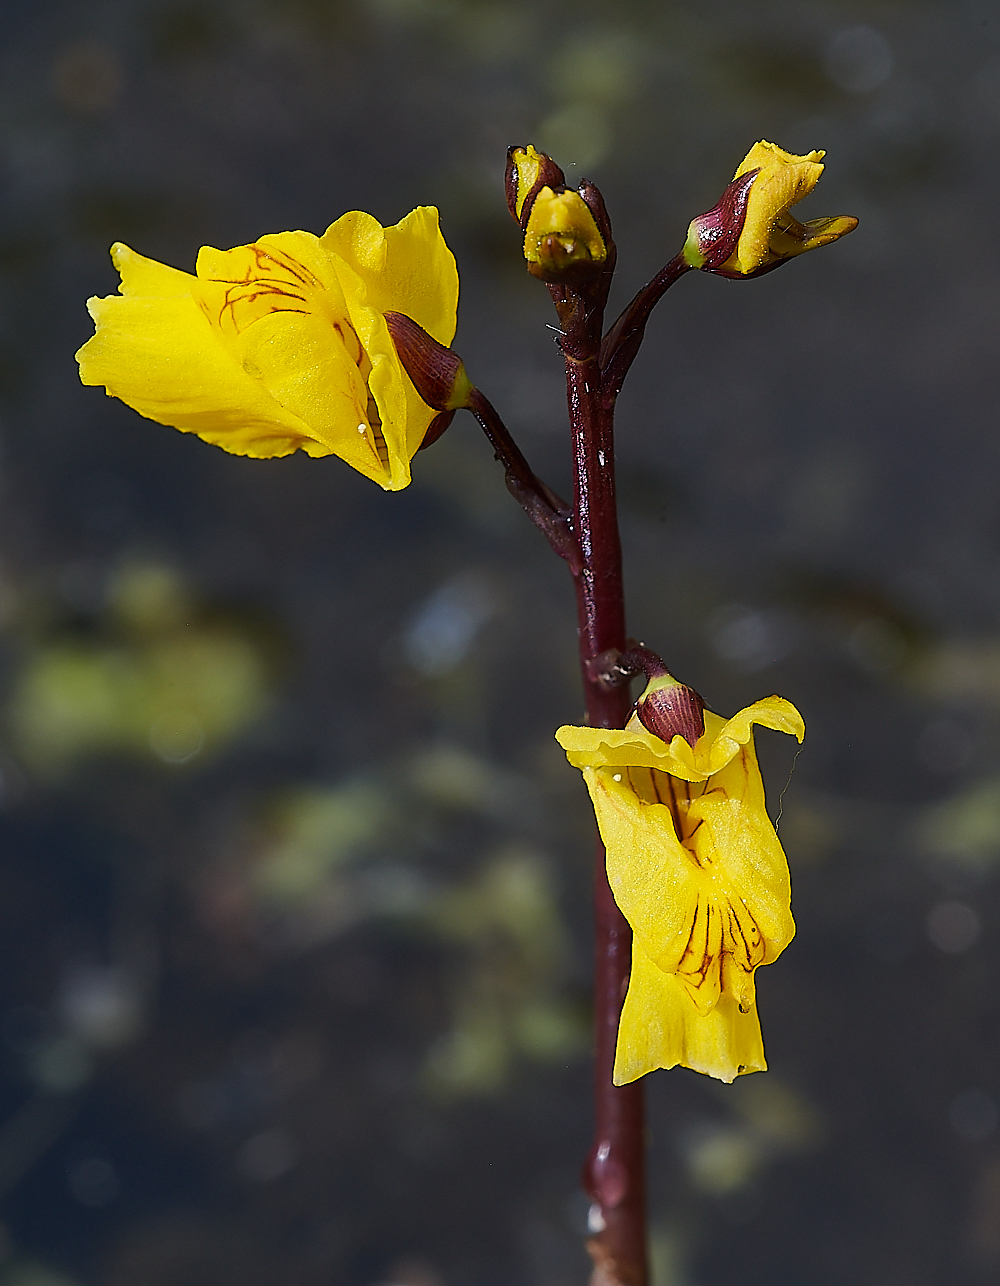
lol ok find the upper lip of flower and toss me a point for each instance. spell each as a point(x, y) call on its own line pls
point(634, 746)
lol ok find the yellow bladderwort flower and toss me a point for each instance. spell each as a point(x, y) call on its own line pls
point(698, 872)
point(561, 232)
point(770, 232)
point(282, 345)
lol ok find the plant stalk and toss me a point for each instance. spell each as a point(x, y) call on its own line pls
point(614, 1172)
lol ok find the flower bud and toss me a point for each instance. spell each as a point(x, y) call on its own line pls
point(561, 239)
point(437, 372)
point(527, 172)
point(770, 233)
point(668, 708)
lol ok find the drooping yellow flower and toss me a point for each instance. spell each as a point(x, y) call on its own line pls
point(698, 872)
point(282, 345)
point(770, 231)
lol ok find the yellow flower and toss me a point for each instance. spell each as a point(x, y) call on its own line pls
point(698, 872)
point(771, 232)
point(561, 232)
point(282, 345)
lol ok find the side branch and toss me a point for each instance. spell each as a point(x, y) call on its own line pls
point(711, 240)
point(551, 515)
point(621, 344)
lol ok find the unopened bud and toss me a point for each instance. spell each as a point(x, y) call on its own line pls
point(668, 708)
point(561, 239)
point(437, 372)
point(528, 171)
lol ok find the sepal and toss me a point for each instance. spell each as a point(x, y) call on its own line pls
point(713, 236)
point(436, 427)
point(594, 201)
point(528, 171)
point(669, 708)
point(437, 372)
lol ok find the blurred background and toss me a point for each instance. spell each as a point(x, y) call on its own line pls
point(293, 878)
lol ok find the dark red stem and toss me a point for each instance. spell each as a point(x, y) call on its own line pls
point(623, 340)
point(614, 1172)
point(509, 453)
point(550, 515)
point(587, 537)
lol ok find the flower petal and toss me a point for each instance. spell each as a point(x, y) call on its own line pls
point(159, 353)
point(281, 270)
point(661, 1028)
point(406, 269)
point(699, 876)
point(310, 373)
point(770, 712)
point(624, 747)
point(142, 276)
point(737, 840)
point(789, 237)
point(654, 879)
point(279, 307)
point(566, 216)
point(784, 179)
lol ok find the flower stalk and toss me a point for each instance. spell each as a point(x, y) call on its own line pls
point(545, 509)
point(623, 341)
